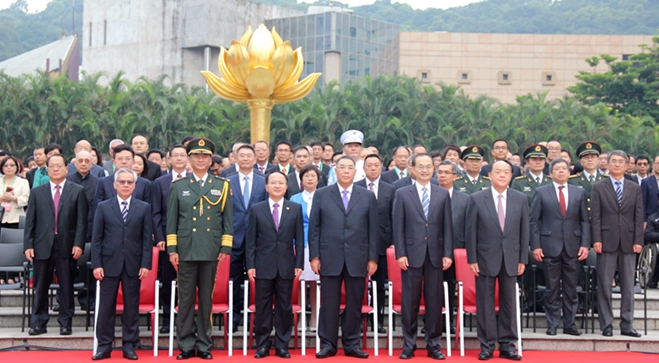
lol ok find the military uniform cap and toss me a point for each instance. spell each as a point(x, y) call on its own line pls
point(200, 146)
point(535, 151)
point(352, 136)
point(588, 147)
point(472, 152)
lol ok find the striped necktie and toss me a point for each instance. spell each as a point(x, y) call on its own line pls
point(425, 201)
point(619, 193)
point(124, 210)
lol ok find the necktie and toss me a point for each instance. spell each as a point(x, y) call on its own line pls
point(561, 200)
point(619, 192)
point(283, 170)
point(502, 217)
point(591, 179)
point(124, 210)
point(261, 169)
point(537, 180)
point(425, 201)
point(275, 215)
point(246, 191)
point(402, 174)
point(345, 200)
point(370, 186)
point(56, 202)
point(179, 176)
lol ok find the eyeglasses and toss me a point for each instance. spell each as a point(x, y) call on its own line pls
point(178, 156)
point(125, 182)
point(56, 166)
point(346, 167)
point(500, 148)
point(643, 164)
point(276, 182)
point(617, 161)
point(445, 172)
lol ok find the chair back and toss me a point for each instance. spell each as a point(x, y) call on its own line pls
point(395, 276)
point(463, 273)
point(11, 257)
point(21, 221)
point(221, 293)
point(11, 236)
point(86, 255)
point(147, 286)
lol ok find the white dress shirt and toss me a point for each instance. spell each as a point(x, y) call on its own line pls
point(272, 208)
point(203, 179)
point(558, 193)
point(496, 194)
point(376, 185)
point(419, 189)
point(308, 197)
point(349, 189)
point(174, 175)
point(121, 207)
point(242, 181)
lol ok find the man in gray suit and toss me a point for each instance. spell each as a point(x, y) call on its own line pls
point(560, 237)
point(497, 240)
point(423, 239)
point(617, 228)
point(343, 248)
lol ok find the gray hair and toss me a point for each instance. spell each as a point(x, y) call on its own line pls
point(556, 161)
point(112, 142)
point(449, 162)
point(125, 170)
point(619, 153)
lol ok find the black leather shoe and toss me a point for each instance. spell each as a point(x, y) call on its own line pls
point(164, 329)
point(551, 331)
point(282, 353)
point(452, 330)
point(38, 330)
point(436, 354)
point(632, 333)
point(325, 353)
point(483, 355)
point(406, 354)
point(99, 356)
point(262, 353)
point(510, 355)
point(608, 331)
point(572, 331)
point(381, 329)
point(423, 330)
point(185, 354)
point(204, 355)
point(130, 354)
point(235, 327)
point(65, 331)
point(357, 353)
point(56, 308)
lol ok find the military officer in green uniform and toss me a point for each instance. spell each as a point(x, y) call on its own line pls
point(472, 182)
point(199, 234)
point(536, 157)
point(588, 153)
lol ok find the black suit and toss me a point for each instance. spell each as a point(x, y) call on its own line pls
point(154, 171)
point(517, 171)
point(425, 241)
point(105, 190)
point(275, 254)
point(53, 250)
point(344, 241)
point(560, 238)
point(459, 202)
point(268, 166)
point(229, 171)
point(30, 176)
point(390, 176)
point(385, 194)
point(121, 249)
point(498, 254)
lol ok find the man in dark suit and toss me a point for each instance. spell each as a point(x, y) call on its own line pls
point(497, 240)
point(384, 193)
point(248, 188)
point(301, 158)
point(560, 238)
point(179, 160)
point(651, 191)
point(317, 148)
point(121, 253)
point(274, 250)
point(423, 238)
point(108, 165)
point(401, 154)
point(343, 248)
point(123, 158)
point(617, 229)
point(283, 152)
point(500, 151)
point(39, 158)
point(410, 178)
point(262, 164)
point(140, 146)
point(447, 173)
point(55, 230)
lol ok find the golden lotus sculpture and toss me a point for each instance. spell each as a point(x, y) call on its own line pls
point(261, 70)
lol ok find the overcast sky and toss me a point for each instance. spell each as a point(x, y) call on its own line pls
point(38, 5)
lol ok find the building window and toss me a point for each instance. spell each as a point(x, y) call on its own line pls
point(464, 77)
point(505, 77)
point(548, 78)
point(423, 75)
point(626, 57)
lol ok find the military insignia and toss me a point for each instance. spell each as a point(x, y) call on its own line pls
point(231, 191)
point(186, 193)
point(462, 189)
point(216, 192)
point(589, 146)
point(537, 148)
point(288, 208)
point(475, 149)
point(527, 189)
point(202, 142)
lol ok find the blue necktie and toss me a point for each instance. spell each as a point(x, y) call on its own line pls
point(246, 192)
point(619, 193)
point(425, 201)
point(345, 200)
point(124, 210)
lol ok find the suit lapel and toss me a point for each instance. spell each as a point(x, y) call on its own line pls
point(557, 202)
point(336, 197)
point(117, 211)
point(354, 198)
point(489, 205)
point(48, 195)
point(414, 196)
point(611, 189)
point(239, 190)
point(510, 204)
point(265, 209)
point(434, 195)
point(66, 192)
point(284, 213)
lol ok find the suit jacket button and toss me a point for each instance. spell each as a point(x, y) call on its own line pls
point(426, 238)
point(195, 207)
point(426, 224)
point(208, 229)
point(194, 230)
point(208, 219)
point(209, 207)
point(194, 218)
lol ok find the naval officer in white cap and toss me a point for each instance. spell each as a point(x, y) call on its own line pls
point(352, 141)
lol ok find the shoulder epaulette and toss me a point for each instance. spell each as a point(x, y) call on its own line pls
point(520, 177)
point(178, 180)
point(486, 178)
point(604, 175)
point(575, 176)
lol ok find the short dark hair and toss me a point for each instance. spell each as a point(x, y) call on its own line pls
point(328, 144)
point(373, 156)
point(52, 146)
point(5, 153)
point(246, 146)
point(216, 159)
point(416, 156)
point(336, 153)
point(19, 165)
point(290, 147)
point(434, 154)
point(66, 162)
point(557, 161)
point(123, 147)
point(301, 147)
point(497, 140)
point(453, 147)
point(267, 176)
point(177, 146)
point(375, 146)
point(308, 168)
point(642, 157)
point(155, 151)
point(317, 143)
point(345, 157)
point(99, 156)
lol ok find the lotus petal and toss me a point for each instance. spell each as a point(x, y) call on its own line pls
point(260, 82)
point(245, 39)
point(238, 62)
point(299, 90)
point(283, 62)
point(261, 48)
point(277, 38)
point(225, 90)
point(226, 74)
point(297, 70)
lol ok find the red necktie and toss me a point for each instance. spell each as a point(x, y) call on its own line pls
point(178, 176)
point(561, 199)
point(56, 202)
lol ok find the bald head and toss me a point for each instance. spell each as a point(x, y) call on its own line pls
point(83, 162)
point(140, 145)
point(82, 145)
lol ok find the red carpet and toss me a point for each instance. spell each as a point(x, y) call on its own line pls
point(471, 356)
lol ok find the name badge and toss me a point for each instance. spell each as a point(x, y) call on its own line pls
point(186, 193)
point(216, 192)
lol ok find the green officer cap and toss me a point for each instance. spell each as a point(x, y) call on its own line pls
point(588, 147)
point(472, 152)
point(535, 150)
point(200, 146)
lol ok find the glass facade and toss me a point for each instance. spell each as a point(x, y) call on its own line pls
point(367, 47)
